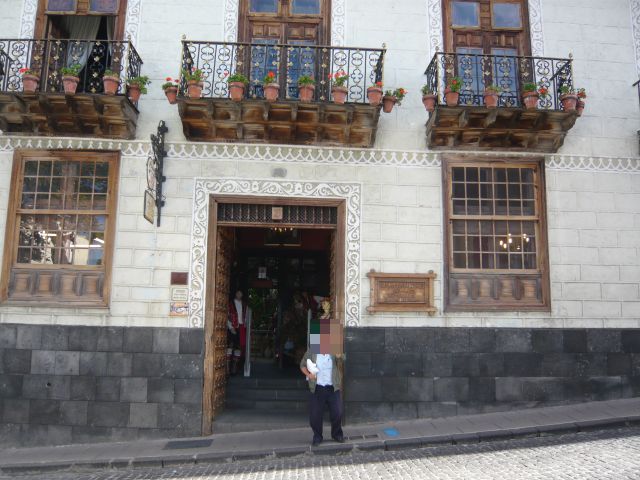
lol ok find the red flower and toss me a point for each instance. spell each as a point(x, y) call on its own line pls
point(22, 70)
point(168, 79)
point(378, 84)
point(226, 74)
point(271, 75)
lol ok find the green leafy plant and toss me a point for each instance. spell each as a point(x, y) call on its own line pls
point(454, 84)
point(141, 82)
point(339, 78)
point(529, 87)
point(582, 93)
point(72, 71)
point(193, 75)
point(566, 90)
point(493, 89)
point(427, 90)
point(110, 73)
point(270, 77)
point(399, 93)
point(237, 77)
point(170, 82)
point(306, 80)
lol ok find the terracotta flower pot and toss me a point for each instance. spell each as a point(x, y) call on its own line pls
point(110, 85)
point(70, 84)
point(580, 107)
point(305, 92)
point(236, 91)
point(451, 97)
point(194, 89)
point(429, 102)
point(271, 91)
point(388, 102)
point(490, 99)
point(172, 94)
point(569, 102)
point(134, 93)
point(374, 94)
point(530, 100)
point(30, 83)
point(339, 94)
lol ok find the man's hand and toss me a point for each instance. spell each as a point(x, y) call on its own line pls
point(307, 373)
point(312, 376)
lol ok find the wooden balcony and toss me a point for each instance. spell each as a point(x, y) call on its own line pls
point(49, 111)
point(287, 120)
point(470, 125)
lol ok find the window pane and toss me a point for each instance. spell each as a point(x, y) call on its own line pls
point(264, 6)
point(507, 15)
point(465, 14)
point(306, 7)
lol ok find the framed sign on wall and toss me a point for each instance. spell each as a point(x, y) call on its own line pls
point(402, 292)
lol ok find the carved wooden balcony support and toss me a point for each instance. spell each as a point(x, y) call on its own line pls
point(281, 122)
point(481, 128)
point(82, 114)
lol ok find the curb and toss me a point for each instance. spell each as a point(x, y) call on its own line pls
point(427, 441)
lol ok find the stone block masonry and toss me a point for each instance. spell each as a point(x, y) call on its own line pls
point(79, 384)
point(404, 373)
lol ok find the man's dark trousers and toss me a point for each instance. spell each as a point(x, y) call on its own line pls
point(322, 396)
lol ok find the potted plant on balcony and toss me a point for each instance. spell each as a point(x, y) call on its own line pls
point(582, 94)
point(491, 94)
point(30, 80)
point(170, 87)
point(110, 82)
point(429, 98)
point(306, 88)
point(193, 77)
point(70, 78)
point(452, 91)
point(338, 90)
point(137, 86)
point(568, 98)
point(531, 93)
point(374, 94)
point(391, 98)
point(270, 87)
point(237, 84)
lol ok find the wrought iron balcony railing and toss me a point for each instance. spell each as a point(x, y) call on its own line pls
point(508, 72)
point(218, 60)
point(47, 57)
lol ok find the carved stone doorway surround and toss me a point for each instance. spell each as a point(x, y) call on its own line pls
point(436, 40)
point(204, 188)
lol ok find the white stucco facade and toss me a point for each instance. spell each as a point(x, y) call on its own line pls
point(593, 182)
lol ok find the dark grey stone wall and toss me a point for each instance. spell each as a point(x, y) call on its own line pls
point(403, 373)
point(66, 384)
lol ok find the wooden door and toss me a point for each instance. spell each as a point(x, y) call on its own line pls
point(216, 325)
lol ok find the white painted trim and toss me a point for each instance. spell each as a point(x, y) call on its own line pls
point(205, 187)
point(635, 30)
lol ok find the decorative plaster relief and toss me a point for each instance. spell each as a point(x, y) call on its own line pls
point(338, 21)
point(635, 30)
point(435, 26)
point(204, 187)
point(304, 154)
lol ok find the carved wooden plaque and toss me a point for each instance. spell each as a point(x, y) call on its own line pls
point(402, 292)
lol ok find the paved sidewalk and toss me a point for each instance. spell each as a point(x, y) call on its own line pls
point(291, 442)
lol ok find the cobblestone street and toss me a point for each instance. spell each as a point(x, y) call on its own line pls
point(613, 454)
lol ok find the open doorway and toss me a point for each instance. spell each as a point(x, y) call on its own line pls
point(270, 265)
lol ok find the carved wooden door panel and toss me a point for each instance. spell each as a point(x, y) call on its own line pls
point(224, 257)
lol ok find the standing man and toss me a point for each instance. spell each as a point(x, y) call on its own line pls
point(322, 364)
point(237, 323)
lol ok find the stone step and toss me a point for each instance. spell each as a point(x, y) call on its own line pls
point(244, 393)
point(265, 405)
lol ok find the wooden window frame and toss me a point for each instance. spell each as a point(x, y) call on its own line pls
point(542, 257)
point(40, 29)
point(9, 261)
point(463, 27)
point(508, 29)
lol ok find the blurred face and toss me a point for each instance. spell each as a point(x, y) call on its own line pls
point(329, 340)
point(238, 295)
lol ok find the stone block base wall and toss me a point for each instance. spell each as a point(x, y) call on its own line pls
point(76, 384)
point(404, 373)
